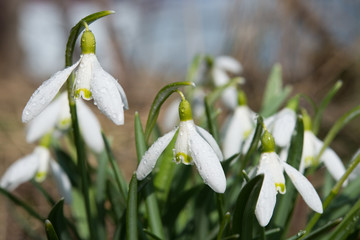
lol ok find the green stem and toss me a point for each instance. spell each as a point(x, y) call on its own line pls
point(334, 191)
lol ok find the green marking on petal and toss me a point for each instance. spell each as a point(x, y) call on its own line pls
point(280, 187)
point(40, 176)
point(84, 93)
point(184, 158)
point(246, 133)
point(64, 123)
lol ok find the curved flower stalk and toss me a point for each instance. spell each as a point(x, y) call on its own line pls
point(194, 145)
point(272, 167)
point(282, 124)
point(240, 126)
point(221, 66)
point(36, 165)
point(197, 105)
point(91, 82)
point(312, 147)
point(57, 116)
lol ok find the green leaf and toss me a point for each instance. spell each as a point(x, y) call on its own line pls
point(21, 204)
point(151, 203)
point(131, 211)
point(119, 178)
point(323, 230)
point(160, 98)
point(77, 29)
point(56, 217)
point(274, 94)
point(254, 142)
point(285, 206)
point(348, 225)
point(211, 120)
point(244, 214)
point(50, 231)
point(193, 71)
point(223, 225)
point(323, 105)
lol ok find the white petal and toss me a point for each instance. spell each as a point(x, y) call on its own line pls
point(104, 89)
point(90, 127)
point(239, 128)
point(220, 77)
point(333, 163)
point(309, 150)
point(122, 95)
point(182, 151)
point(270, 164)
point(20, 171)
point(45, 121)
point(152, 154)
point(46, 92)
point(230, 97)
point(207, 163)
point(304, 187)
point(62, 181)
point(43, 155)
point(211, 141)
point(171, 115)
point(266, 202)
point(284, 126)
point(228, 63)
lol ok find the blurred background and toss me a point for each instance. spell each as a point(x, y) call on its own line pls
point(147, 44)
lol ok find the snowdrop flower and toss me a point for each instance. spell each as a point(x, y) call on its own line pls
point(91, 82)
point(57, 116)
point(240, 125)
point(272, 167)
point(36, 165)
point(311, 148)
point(221, 66)
point(193, 145)
point(282, 124)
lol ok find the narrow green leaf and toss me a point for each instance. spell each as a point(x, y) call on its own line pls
point(131, 211)
point(151, 235)
point(140, 142)
point(297, 236)
point(340, 123)
point(69, 166)
point(160, 98)
point(151, 203)
point(244, 213)
point(284, 208)
point(56, 217)
point(211, 120)
point(274, 94)
point(116, 200)
point(194, 70)
point(323, 230)
point(348, 225)
point(50, 231)
point(119, 178)
point(43, 192)
point(77, 29)
point(21, 204)
point(329, 96)
point(223, 225)
point(254, 143)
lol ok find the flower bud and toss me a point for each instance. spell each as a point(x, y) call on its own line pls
point(267, 142)
point(88, 42)
point(185, 110)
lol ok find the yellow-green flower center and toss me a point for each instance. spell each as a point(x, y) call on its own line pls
point(84, 93)
point(280, 186)
point(182, 157)
point(40, 176)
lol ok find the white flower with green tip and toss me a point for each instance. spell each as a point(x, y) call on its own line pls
point(239, 127)
point(222, 65)
point(91, 82)
point(36, 165)
point(311, 148)
point(57, 116)
point(274, 181)
point(194, 145)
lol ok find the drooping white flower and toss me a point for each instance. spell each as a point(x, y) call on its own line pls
point(57, 116)
point(239, 127)
point(274, 181)
point(36, 165)
point(91, 82)
point(193, 145)
point(222, 65)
